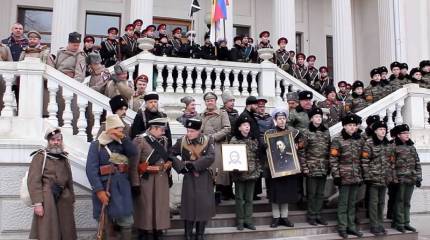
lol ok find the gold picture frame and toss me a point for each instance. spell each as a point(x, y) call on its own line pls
point(282, 154)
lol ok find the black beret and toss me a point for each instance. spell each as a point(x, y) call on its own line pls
point(383, 69)
point(404, 65)
point(117, 103)
point(138, 21)
point(264, 33)
point(251, 100)
point(75, 37)
point(395, 64)
point(113, 29)
point(315, 111)
point(237, 38)
point(305, 95)
point(351, 118)
point(129, 26)
point(302, 55)
point(329, 89)
point(413, 71)
point(372, 119)
point(357, 84)
point(193, 123)
point(310, 57)
point(379, 124)
point(342, 83)
point(282, 39)
point(242, 119)
point(375, 71)
point(399, 129)
point(323, 68)
point(424, 63)
point(151, 96)
point(89, 37)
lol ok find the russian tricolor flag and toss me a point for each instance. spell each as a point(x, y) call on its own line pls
point(220, 10)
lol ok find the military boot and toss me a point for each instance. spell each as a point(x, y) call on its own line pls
point(188, 227)
point(200, 231)
point(410, 228)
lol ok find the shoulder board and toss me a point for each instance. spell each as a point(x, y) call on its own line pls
point(36, 152)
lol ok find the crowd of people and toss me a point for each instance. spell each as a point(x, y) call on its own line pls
point(129, 166)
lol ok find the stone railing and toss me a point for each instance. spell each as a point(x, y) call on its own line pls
point(406, 105)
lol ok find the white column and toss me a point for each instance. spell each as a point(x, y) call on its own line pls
point(284, 14)
point(400, 30)
point(229, 25)
point(64, 21)
point(142, 9)
point(31, 84)
point(343, 58)
point(386, 32)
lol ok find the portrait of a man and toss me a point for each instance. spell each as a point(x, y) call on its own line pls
point(282, 155)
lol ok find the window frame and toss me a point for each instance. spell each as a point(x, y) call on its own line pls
point(109, 14)
point(19, 19)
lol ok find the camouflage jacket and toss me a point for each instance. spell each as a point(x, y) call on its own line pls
point(299, 119)
point(386, 87)
point(314, 156)
point(345, 158)
point(378, 161)
point(355, 103)
point(335, 111)
point(254, 167)
point(426, 80)
point(407, 166)
point(397, 82)
point(374, 92)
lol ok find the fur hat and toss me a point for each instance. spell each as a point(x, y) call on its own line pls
point(113, 121)
point(120, 68)
point(399, 129)
point(413, 71)
point(375, 71)
point(94, 58)
point(372, 119)
point(226, 96)
point(279, 112)
point(151, 96)
point(292, 96)
point(117, 103)
point(395, 64)
point(379, 124)
point(357, 84)
point(315, 111)
point(351, 118)
point(187, 100)
point(193, 123)
point(305, 95)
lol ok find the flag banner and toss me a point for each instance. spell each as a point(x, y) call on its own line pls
point(195, 7)
point(220, 10)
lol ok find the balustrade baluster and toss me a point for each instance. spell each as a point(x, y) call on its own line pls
point(208, 82)
point(426, 113)
point(199, 81)
point(399, 117)
point(180, 79)
point(189, 80)
point(245, 92)
point(82, 120)
point(53, 105)
point(67, 113)
point(254, 85)
point(390, 111)
point(8, 96)
point(130, 76)
point(169, 88)
point(159, 81)
point(278, 88)
point(217, 89)
point(236, 83)
point(97, 112)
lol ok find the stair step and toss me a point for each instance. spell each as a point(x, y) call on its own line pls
point(265, 232)
point(259, 218)
point(391, 235)
point(262, 205)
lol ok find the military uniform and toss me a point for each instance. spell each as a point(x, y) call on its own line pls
point(262, 44)
point(426, 74)
point(355, 103)
point(374, 92)
point(378, 171)
point(236, 52)
point(109, 52)
point(128, 46)
point(197, 197)
point(299, 118)
point(397, 82)
point(162, 49)
point(314, 161)
point(335, 111)
point(208, 51)
point(152, 210)
point(312, 76)
point(300, 72)
point(249, 53)
point(345, 164)
point(408, 173)
point(47, 173)
point(110, 159)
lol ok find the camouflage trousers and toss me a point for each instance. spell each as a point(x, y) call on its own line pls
point(403, 204)
point(376, 205)
point(346, 207)
point(315, 195)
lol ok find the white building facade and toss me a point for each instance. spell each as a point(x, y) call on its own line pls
point(349, 36)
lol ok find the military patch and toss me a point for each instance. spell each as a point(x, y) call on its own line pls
point(105, 75)
point(364, 154)
point(392, 158)
point(369, 98)
point(334, 152)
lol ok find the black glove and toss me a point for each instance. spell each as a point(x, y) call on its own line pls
point(190, 167)
point(418, 184)
point(337, 181)
point(135, 191)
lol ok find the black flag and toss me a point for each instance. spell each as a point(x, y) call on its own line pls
point(195, 7)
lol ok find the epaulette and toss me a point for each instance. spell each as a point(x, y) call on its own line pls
point(36, 152)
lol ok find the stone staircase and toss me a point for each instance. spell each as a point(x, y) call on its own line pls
point(223, 225)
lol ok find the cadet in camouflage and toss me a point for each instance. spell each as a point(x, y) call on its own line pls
point(357, 100)
point(378, 171)
point(345, 163)
point(408, 173)
point(375, 91)
point(314, 160)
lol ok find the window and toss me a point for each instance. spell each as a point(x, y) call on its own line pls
point(37, 20)
point(299, 48)
point(329, 47)
point(171, 24)
point(241, 30)
point(97, 24)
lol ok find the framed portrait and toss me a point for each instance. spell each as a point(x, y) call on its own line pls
point(234, 157)
point(282, 154)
